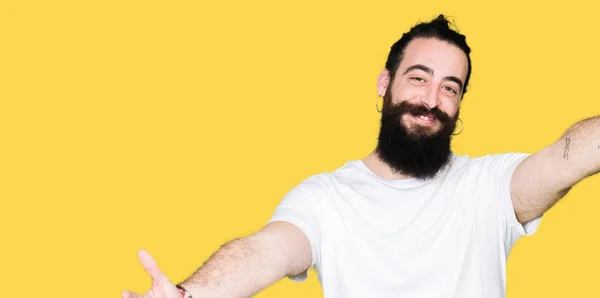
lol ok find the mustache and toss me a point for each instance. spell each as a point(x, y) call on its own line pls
point(406, 107)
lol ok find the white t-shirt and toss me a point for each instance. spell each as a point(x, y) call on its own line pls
point(445, 237)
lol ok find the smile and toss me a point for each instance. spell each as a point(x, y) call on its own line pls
point(426, 119)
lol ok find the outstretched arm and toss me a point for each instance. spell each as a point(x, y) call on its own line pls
point(546, 176)
point(241, 268)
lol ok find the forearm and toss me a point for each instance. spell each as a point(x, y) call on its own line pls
point(240, 268)
point(581, 149)
point(243, 267)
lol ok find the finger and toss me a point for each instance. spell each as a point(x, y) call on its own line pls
point(150, 265)
point(127, 294)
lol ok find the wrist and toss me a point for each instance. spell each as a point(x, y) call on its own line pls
point(194, 290)
point(184, 292)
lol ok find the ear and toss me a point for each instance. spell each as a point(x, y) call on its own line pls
point(382, 82)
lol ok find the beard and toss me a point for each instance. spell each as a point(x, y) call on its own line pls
point(416, 151)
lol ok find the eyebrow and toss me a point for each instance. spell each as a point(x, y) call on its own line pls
point(430, 71)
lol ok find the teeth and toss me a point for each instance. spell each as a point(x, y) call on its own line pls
point(426, 118)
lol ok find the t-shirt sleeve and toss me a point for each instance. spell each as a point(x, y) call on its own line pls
point(501, 168)
point(301, 206)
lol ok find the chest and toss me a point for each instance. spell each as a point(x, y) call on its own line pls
point(428, 241)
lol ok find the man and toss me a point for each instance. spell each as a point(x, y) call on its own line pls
point(411, 219)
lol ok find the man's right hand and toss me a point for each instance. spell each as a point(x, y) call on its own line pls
point(162, 287)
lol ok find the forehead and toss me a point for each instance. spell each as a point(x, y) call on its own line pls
point(442, 57)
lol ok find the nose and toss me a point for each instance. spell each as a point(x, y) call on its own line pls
point(431, 98)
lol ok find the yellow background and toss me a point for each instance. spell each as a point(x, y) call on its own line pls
point(178, 125)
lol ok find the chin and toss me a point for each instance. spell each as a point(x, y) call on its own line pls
point(418, 130)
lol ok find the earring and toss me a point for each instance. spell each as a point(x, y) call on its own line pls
point(461, 128)
point(377, 104)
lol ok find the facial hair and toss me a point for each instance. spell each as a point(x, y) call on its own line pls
point(415, 151)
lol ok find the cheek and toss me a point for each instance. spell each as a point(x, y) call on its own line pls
point(407, 93)
point(450, 107)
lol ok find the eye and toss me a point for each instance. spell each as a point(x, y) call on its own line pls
point(418, 79)
point(450, 89)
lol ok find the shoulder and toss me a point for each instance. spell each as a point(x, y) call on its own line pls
point(348, 172)
point(321, 183)
point(491, 163)
point(482, 172)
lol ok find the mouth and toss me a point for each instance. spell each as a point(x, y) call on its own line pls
point(426, 119)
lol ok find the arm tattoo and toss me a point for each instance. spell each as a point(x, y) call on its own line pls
point(567, 142)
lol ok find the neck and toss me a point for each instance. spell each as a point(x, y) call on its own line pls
point(381, 169)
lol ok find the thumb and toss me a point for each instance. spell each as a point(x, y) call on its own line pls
point(150, 266)
point(128, 294)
